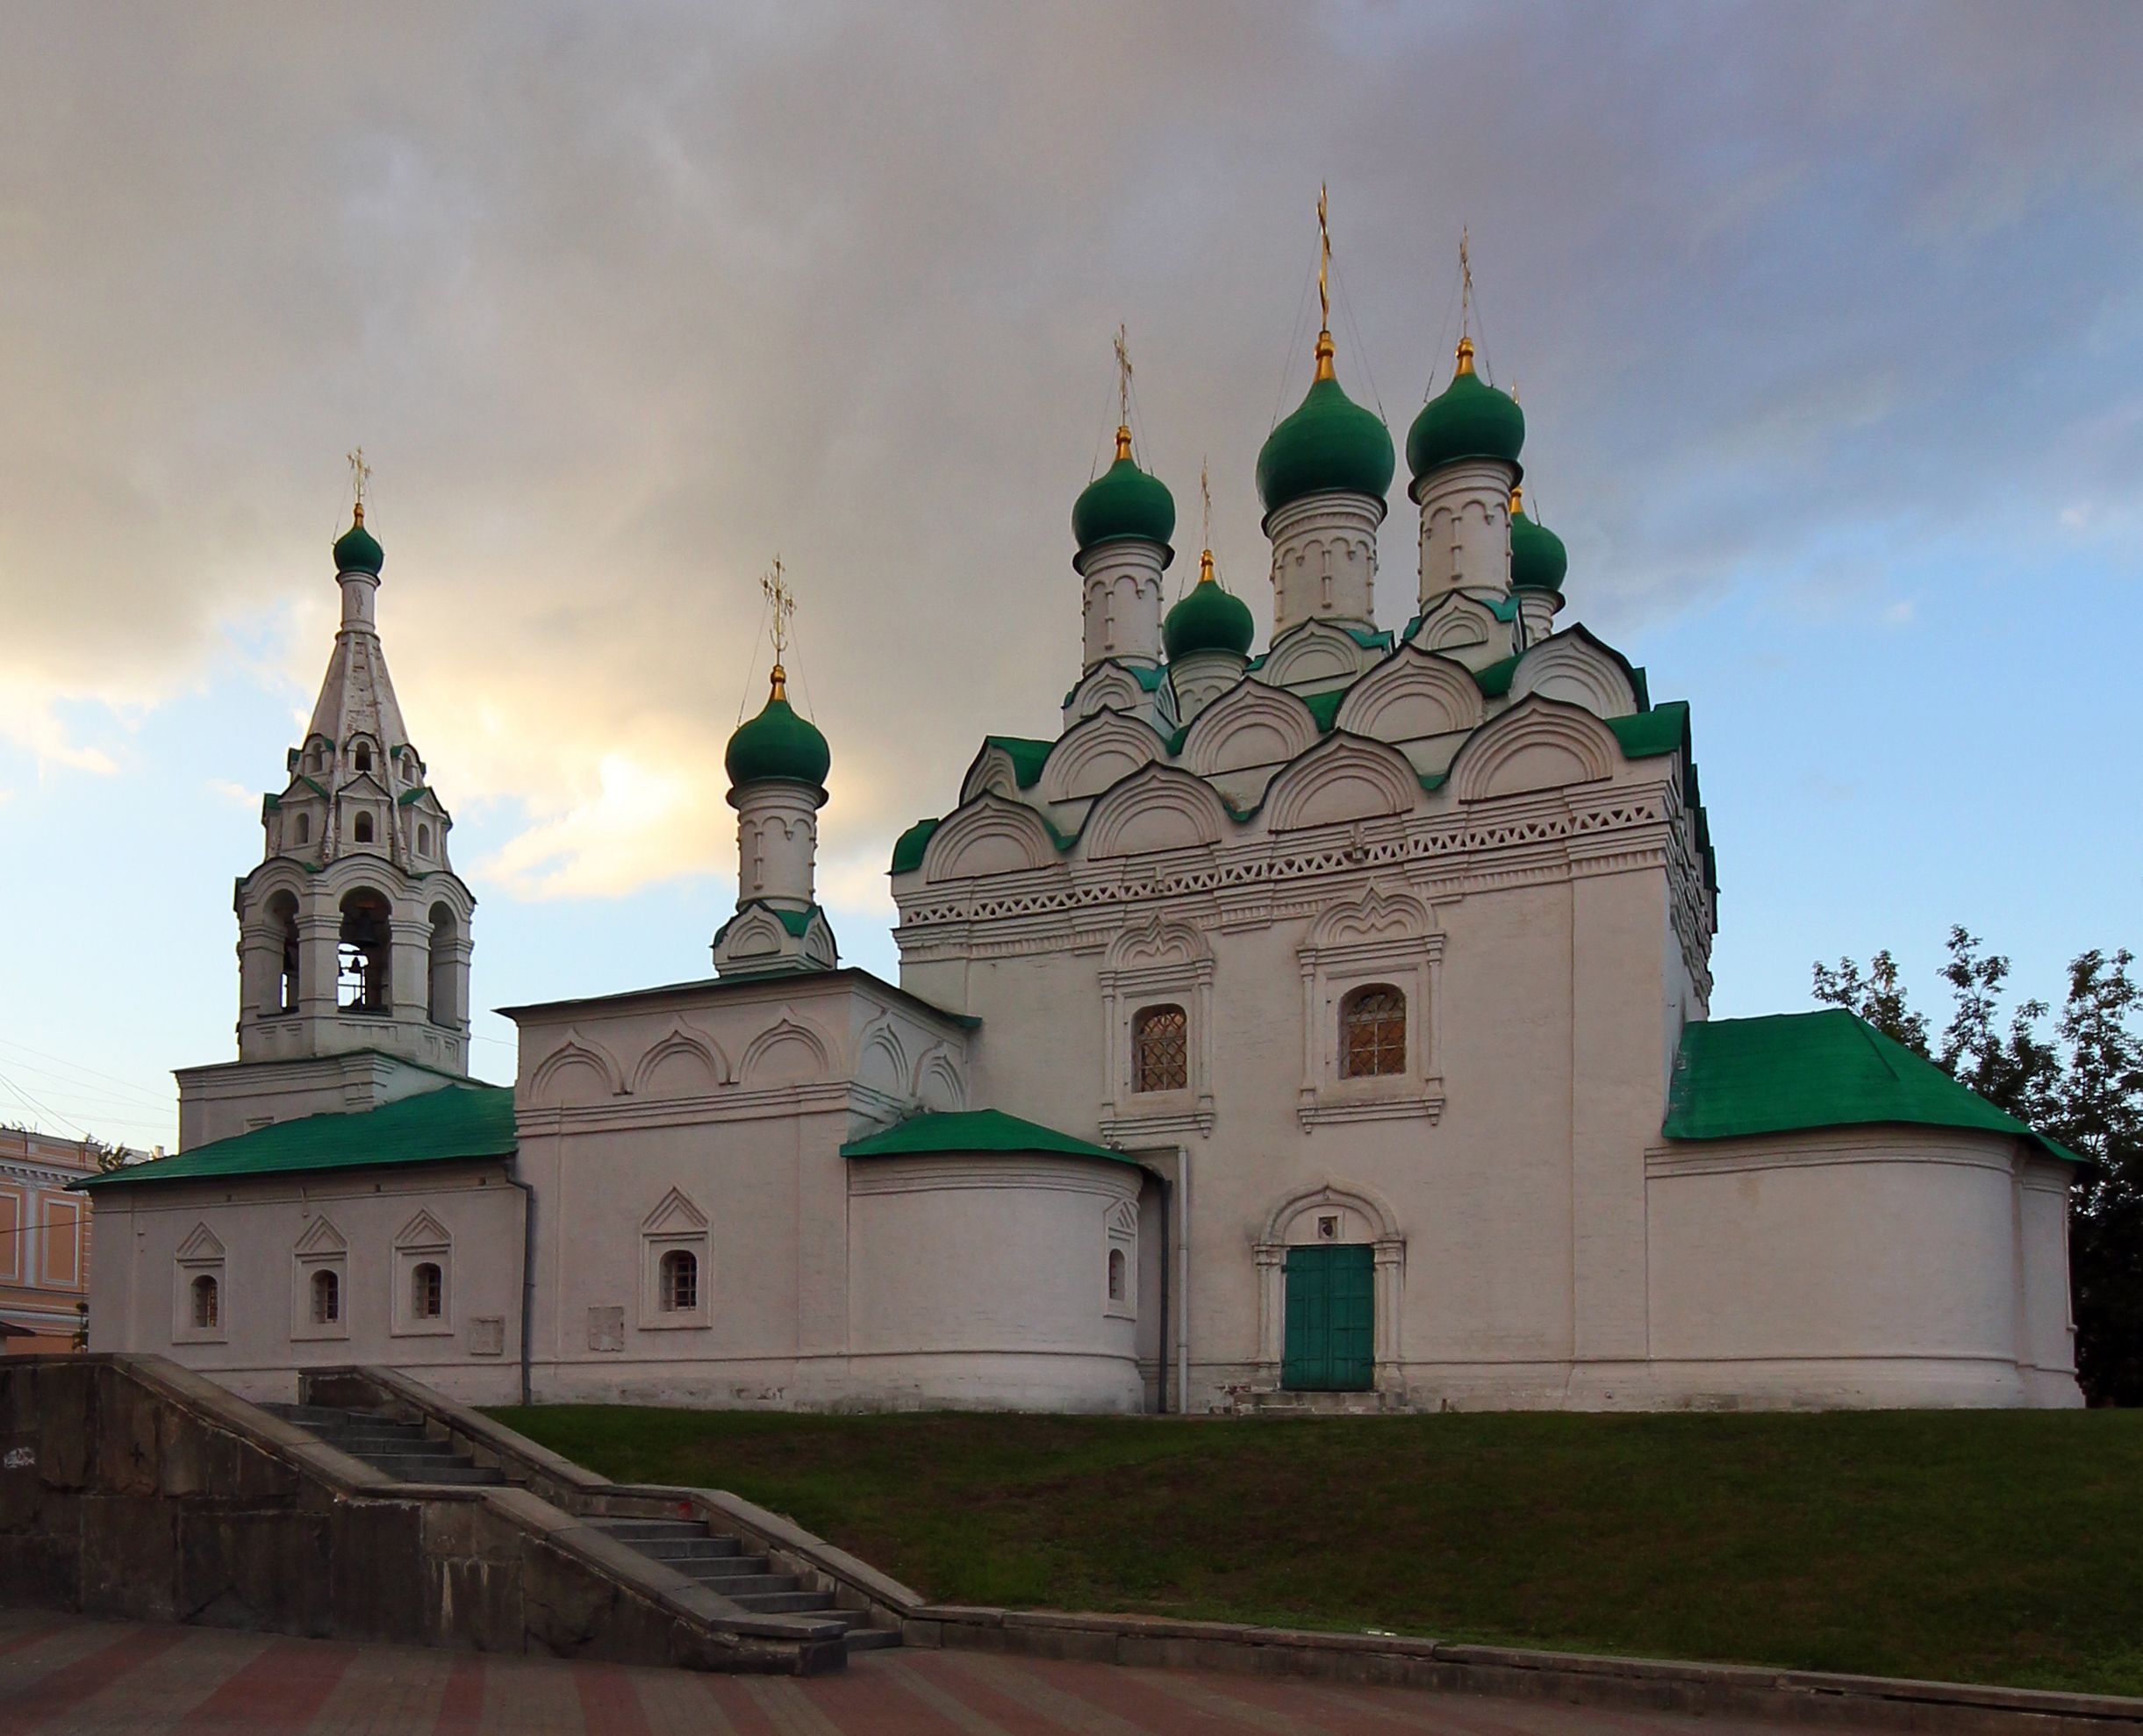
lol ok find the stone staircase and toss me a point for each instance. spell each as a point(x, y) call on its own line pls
point(402, 1449)
point(1271, 1401)
point(724, 1564)
point(726, 1567)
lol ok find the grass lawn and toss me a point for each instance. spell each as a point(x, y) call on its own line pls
point(1978, 1546)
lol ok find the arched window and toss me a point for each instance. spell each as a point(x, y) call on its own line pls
point(1373, 1032)
point(304, 828)
point(364, 828)
point(327, 1299)
point(205, 1302)
point(424, 840)
point(363, 982)
point(680, 1281)
point(1115, 1274)
point(363, 757)
point(427, 1291)
point(1160, 1045)
point(440, 999)
point(282, 911)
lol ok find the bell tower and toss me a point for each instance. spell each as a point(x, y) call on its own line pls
point(354, 931)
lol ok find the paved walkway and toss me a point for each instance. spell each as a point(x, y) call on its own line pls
point(71, 1675)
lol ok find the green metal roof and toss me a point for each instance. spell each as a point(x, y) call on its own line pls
point(1026, 753)
point(973, 1131)
point(1795, 1071)
point(455, 1121)
point(909, 846)
point(1647, 733)
point(1494, 680)
point(797, 922)
point(1325, 707)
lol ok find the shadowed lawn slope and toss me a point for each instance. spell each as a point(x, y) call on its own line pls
point(1990, 1546)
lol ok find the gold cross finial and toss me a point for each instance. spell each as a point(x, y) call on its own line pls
point(1204, 534)
point(1324, 286)
point(1123, 393)
point(1465, 287)
point(781, 608)
point(360, 479)
point(1324, 261)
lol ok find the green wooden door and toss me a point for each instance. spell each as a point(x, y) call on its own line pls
point(1332, 1331)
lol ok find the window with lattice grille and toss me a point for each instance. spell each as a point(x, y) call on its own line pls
point(1373, 1032)
point(1160, 1039)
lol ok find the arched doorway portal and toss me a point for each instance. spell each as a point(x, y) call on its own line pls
point(1330, 1266)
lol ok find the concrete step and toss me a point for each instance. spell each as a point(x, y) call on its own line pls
point(696, 1549)
point(719, 1570)
point(435, 1470)
point(861, 1638)
point(373, 1440)
point(637, 1531)
point(321, 1416)
point(745, 1587)
point(781, 1603)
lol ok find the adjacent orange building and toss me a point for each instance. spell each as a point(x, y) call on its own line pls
point(44, 1241)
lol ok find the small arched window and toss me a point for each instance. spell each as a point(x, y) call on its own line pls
point(1115, 1274)
point(364, 828)
point(363, 759)
point(304, 828)
point(424, 840)
point(1160, 1044)
point(327, 1298)
point(680, 1281)
point(427, 1291)
point(206, 1303)
point(1373, 1032)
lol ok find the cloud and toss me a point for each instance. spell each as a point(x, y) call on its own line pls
point(622, 300)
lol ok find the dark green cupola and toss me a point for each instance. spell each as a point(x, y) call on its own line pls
point(1468, 419)
point(1537, 557)
point(1207, 618)
point(778, 745)
point(1124, 501)
point(357, 549)
point(1329, 445)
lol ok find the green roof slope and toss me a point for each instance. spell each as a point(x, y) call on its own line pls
point(456, 1121)
point(973, 1131)
point(1794, 1071)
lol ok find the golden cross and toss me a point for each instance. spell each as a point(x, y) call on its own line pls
point(1324, 263)
point(1465, 287)
point(1205, 494)
point(1124, 378)
point(781, 604)
point(360, 476)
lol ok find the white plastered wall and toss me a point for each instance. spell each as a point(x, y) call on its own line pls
point(152, 1239)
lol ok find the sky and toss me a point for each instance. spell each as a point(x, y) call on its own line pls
point(1827, 319)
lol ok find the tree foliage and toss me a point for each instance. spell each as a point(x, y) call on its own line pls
point(2082, 1083)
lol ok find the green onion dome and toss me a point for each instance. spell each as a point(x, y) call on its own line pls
point(1124, 501)
point(778, 744)
point(1468, 419)
point(1207, 618)
point(1537, 557)
point(357, 549)
point(1330, 444)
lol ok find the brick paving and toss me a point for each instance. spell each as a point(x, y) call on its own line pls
point(63, 1675)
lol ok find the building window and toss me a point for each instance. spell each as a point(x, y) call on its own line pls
point(442, 1002)
point(680, 1282)
point(207, 1304)
point(364, 828)
point(363, 757)
point(1373, 1032)
point(282, 911)
point(427, 1291)
point(327, 1299)
point(1115, 1274)
point(304, 828)
point(1160, 1045)
point(424, 840)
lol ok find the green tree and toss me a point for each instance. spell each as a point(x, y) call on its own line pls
point(2083, 1085)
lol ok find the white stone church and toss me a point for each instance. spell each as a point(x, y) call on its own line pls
point(1317, 1026)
